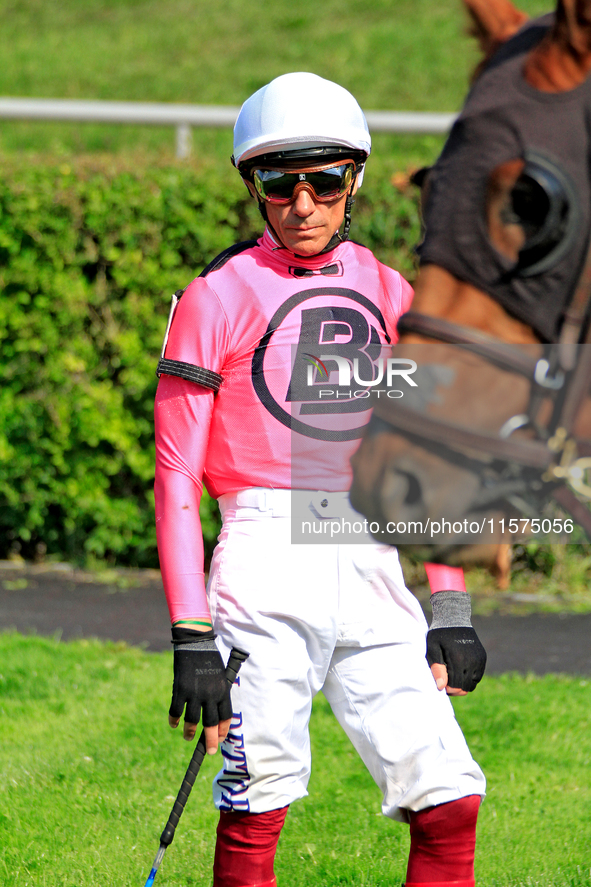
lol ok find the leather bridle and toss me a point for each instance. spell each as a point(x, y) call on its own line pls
point(525, 469)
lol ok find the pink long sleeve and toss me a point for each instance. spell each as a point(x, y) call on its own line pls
point(182, 418)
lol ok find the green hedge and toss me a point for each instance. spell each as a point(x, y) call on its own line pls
point(89, 255)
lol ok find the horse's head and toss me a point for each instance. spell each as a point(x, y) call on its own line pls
point(508, 204)
point(507, 221)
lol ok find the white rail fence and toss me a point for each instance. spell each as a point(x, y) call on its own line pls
point(184, 117)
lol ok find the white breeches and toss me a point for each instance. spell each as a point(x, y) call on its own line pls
point(336, 618)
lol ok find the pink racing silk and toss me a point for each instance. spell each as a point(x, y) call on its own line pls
point(444, 578)
point(274, 326)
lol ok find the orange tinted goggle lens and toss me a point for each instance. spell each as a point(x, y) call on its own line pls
point(278, 186)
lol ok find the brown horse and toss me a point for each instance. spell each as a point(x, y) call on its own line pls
point(499, 420)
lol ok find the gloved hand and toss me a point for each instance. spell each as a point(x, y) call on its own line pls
point(452, 641)
point(199, 683)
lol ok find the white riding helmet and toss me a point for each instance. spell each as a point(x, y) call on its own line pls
point(296, 112)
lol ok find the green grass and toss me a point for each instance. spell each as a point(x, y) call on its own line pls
point(393, 54)
point(89, 771)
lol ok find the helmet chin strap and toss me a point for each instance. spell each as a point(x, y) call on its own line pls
point(334, 240)
point(348, 207)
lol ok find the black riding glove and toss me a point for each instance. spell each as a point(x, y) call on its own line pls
point(451, 640)
point(199, 679)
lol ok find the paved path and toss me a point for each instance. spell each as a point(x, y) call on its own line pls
point(74, 605)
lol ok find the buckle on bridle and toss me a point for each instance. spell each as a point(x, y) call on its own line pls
point(542, 378)
point(569, 470)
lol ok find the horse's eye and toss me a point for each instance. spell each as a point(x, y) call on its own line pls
point(542, 205)
point(532, 213)
point(530, 205)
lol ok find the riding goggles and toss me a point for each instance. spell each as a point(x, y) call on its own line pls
point(282, 186)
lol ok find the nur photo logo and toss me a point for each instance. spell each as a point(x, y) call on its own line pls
point(386, 370)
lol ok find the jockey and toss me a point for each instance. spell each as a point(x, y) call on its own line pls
point(252, 403)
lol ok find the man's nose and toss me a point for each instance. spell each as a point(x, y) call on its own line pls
point(304, 204)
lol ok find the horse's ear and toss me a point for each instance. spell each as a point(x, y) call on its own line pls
point(493, 22)
point(562, 60)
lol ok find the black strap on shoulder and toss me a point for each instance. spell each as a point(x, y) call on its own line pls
point(227, 254)
point(190, 372)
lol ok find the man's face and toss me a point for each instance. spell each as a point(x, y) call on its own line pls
point(306, 225)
